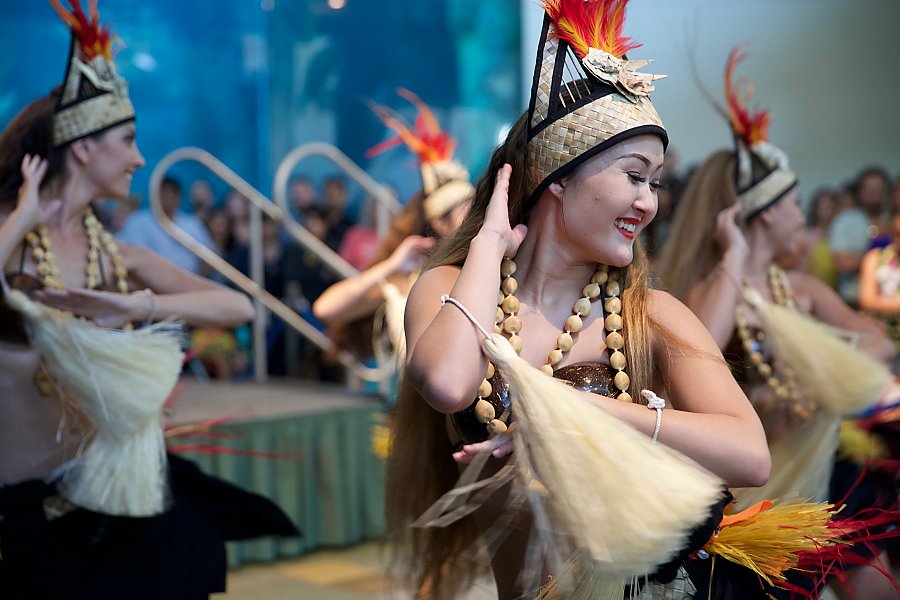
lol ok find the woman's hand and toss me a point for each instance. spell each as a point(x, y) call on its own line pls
point(496, 218)
point(498, 446)
point(105, 309)
point(729, 235)
point(29, 211)
point(409, 256)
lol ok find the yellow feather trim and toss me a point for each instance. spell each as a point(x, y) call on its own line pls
point(767, 542)
point(859, 445)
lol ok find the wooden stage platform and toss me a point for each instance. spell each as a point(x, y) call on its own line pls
point(326, 475)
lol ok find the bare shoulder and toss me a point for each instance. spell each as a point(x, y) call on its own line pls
point(438, 280)
point(135, 257)
point(664, 305)
point(675, 322)
point(806, 283)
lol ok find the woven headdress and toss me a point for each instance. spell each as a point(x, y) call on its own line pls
point(762, 175)
point(586, 95)
point(94, 96)
point(445, 182)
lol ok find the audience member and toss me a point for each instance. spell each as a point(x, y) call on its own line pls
point(856, 230)
point(360, 242)
point(336, 199)
point(818, 260)
point(238, 208)
point(201, 198)
point(302, 194)
point(879, 282)
point(142, 229)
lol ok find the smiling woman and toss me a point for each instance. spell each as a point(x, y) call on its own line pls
point(565, 195)
point(90, 506)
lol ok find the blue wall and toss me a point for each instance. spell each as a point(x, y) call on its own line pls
point(249, 80)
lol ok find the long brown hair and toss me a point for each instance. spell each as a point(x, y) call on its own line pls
point(420, 466)
point(691, 252)
point(29, 132)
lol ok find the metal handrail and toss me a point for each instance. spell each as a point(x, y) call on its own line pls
point(387, 202)
point(254, 288)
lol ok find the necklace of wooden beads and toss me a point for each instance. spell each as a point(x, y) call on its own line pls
point(48, 270)
point(784, 387)
point(45, 258)
point(507, 321)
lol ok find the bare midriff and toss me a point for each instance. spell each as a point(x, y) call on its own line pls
point(37, 434)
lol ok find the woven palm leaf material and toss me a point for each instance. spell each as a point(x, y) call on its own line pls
point(94, 96)
point(445, 182)
point(586, 95)
point(762, 173)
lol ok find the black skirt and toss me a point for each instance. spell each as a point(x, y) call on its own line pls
point(179, 554)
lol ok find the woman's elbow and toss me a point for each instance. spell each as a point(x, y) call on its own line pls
point(756, 471)
point(442, 394)
point(244, 310)
point(321, 310)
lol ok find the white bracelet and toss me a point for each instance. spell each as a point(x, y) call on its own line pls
point(656, 403)
point(152, 312)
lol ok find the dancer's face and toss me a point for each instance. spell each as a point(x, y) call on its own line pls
point(447, 224)
point(611, 198)
point(110, 160)
point(785, 221)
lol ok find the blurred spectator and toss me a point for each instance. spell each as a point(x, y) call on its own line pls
point(201, 198)
point(218, 351)
point(856, 230)
point(142, 229)
point(316, 221)
point(238, 208)
point(335, 205)
point(114, 213)
point(895, 198)
point(822, 211)
point(219, 225)
point(302, 194)
point(286, 266)
point(879, 282)
point(846, 198)
point(360, 243)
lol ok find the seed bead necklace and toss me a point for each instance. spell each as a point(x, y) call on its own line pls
point(48, 270)
point(45, 258)
point(507, 321)
point(785, 387)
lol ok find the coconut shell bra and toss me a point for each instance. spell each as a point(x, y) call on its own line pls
point(586, 377)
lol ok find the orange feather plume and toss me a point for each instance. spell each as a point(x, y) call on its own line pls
point(749, 126)
point(94, 39)
point(425, 138)
point(587, 24)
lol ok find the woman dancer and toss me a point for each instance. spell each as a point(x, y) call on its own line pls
point(58, 156)
point(738, 216)
point(350, 306)
point(570, 189)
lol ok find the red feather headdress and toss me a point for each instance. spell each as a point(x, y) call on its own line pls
point(587, 24)
point(751, 127)
point(425, 138)
point(83, 110)
point(94, 39)
point(593, 29)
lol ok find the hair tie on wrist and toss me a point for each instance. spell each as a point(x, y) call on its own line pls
point(656, 403)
